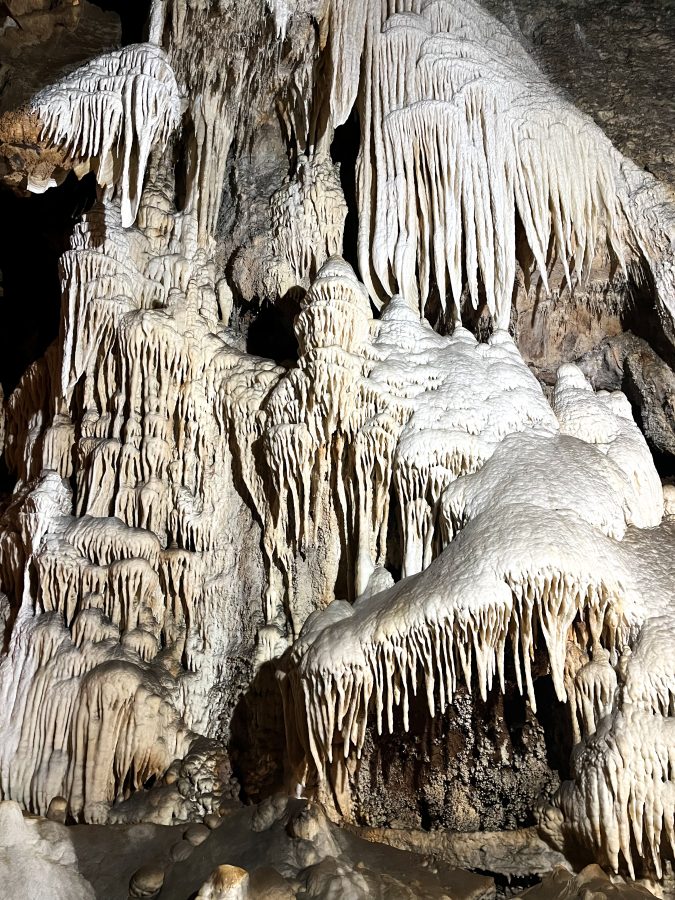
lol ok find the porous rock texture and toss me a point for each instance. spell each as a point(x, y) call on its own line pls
point(342, 483)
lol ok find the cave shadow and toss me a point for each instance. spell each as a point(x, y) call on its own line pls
point(271, 333)
point(30, 305)
point(462, 748)
point(134, 16)
point(257, 744)
point(30, 296)
point(344, 151)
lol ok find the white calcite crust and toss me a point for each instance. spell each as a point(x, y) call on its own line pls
point(621, 801)
point(501, 581)
point(37, 858)
point(535, 545)
point(109, 115)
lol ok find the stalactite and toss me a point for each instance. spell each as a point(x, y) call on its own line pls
point(110, 113)
point(501, 581)
point(182, 508)
point(460, 129)
point(436, 406)
point(462, 612)
point(620, 802)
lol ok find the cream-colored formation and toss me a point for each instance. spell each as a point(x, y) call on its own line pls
point(461, 122)
point(555, 542)
point(37, 858)
point(308, 214)
point(117, 550)
point(461, 131)
point(620, 801)
point(110, 114)
point(184, 510)
point(382, 406)
point(511, 576)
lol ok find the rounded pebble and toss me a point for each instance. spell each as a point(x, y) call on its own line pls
point(196, 834)
point(147, 881)
point(181, 851)
point(58, 810)
point(184, 787)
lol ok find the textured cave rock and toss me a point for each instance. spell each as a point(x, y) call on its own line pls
point(600, 52)
point(482, 767)
point(628, 363)
point(337, 391)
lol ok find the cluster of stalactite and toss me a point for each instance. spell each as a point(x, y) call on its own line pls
point(553, 538)
point(375, 408)
point(118, 544)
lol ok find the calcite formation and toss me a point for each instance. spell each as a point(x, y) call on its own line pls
point(396, 512)
point(111, 113)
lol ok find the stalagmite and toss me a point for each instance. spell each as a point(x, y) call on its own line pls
point(109, 600)
point(417, 409)
point(620, 802)
point(308, 216)
point(37, 858)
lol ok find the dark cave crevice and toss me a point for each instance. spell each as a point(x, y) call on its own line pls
point(40, 232)
point(270, 333)
point(134, 16)
point(344, 150)
point(554, 718)
point(30, 290)
point(257, 743)
point(642, 317)
point(183, 162)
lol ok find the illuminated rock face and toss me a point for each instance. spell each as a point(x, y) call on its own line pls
point(403, 508)
point(111, 113)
